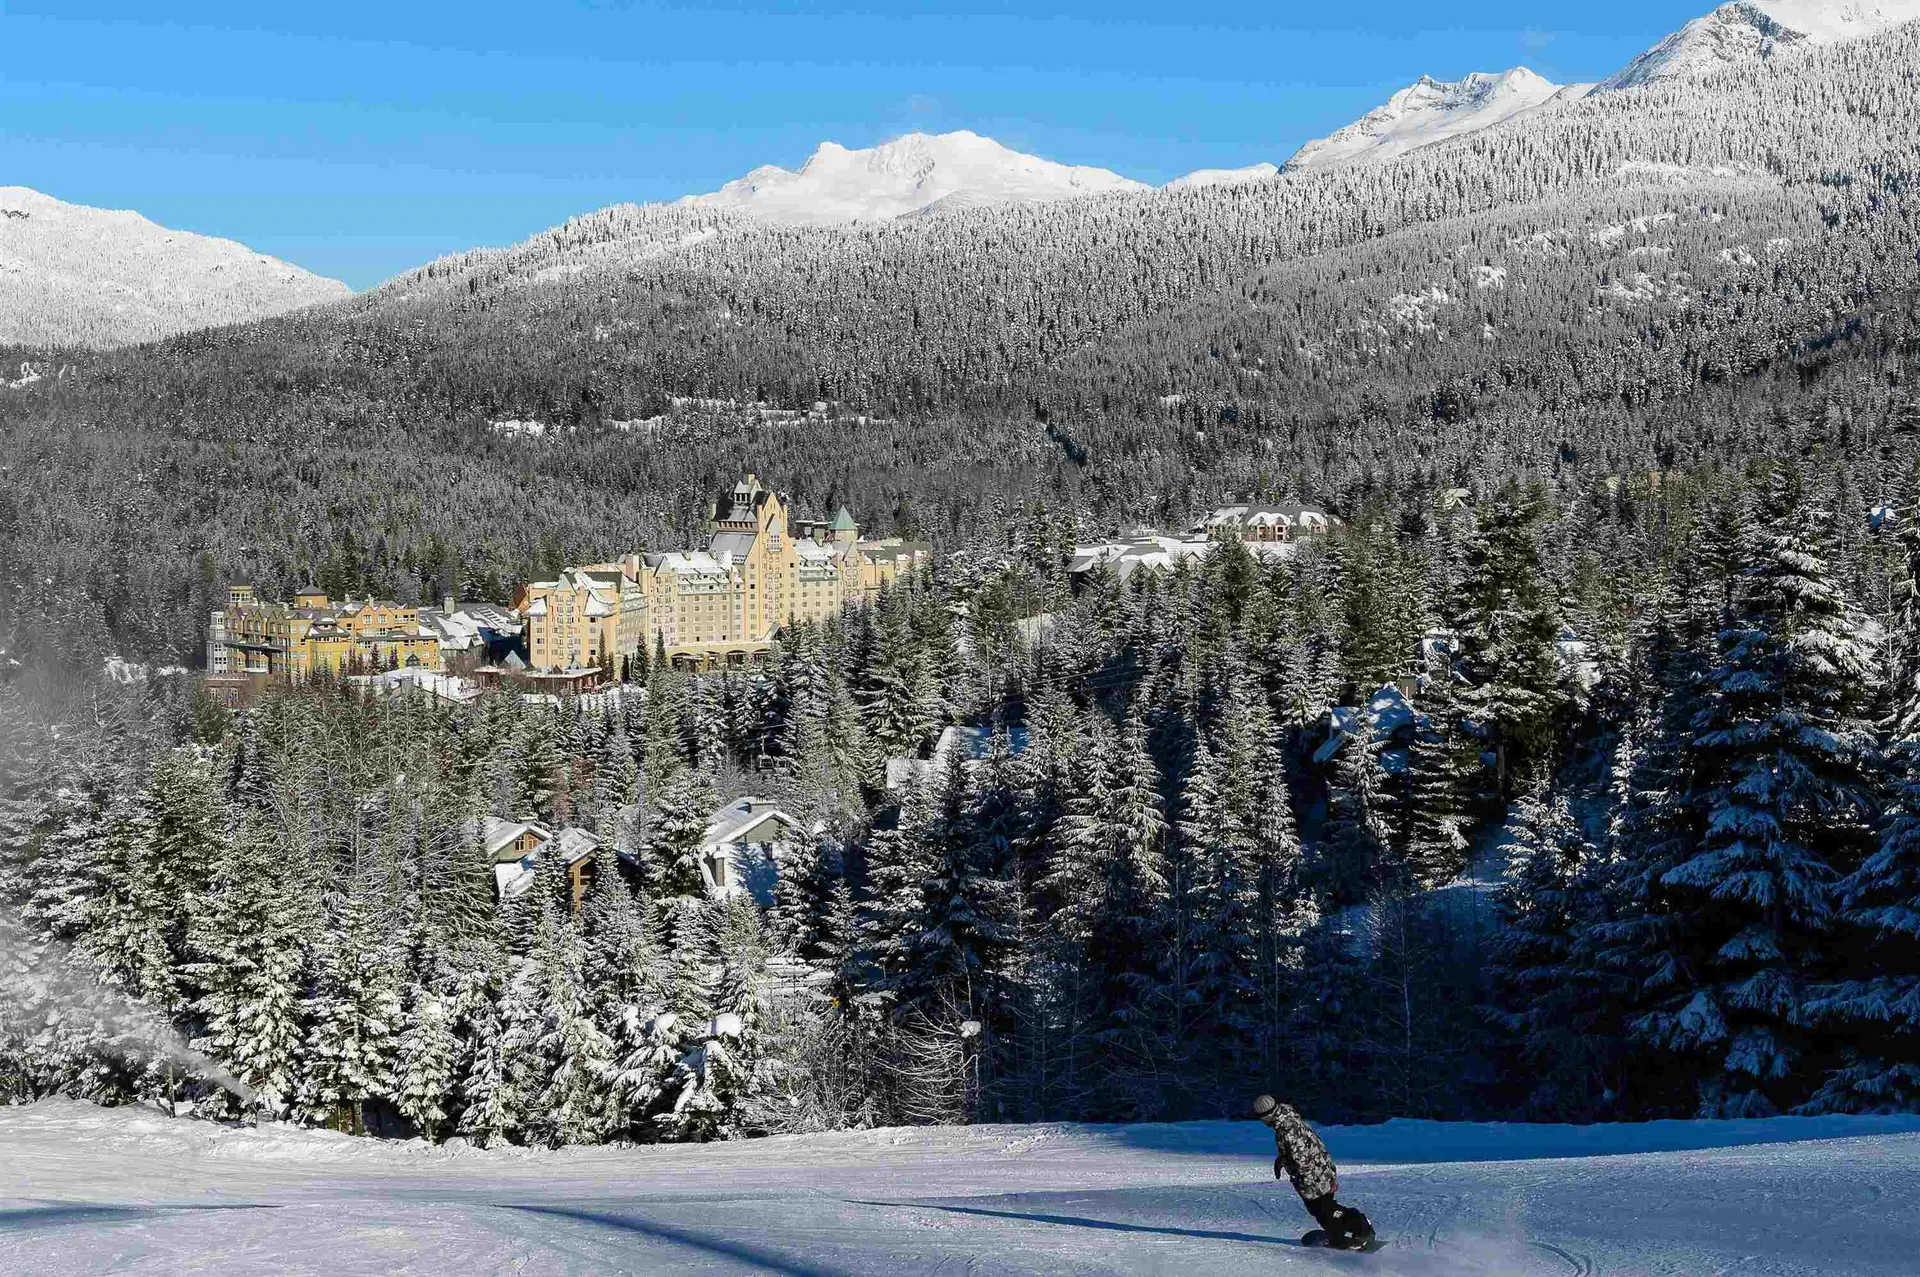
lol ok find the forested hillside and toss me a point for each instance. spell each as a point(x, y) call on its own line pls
point(1626, 283)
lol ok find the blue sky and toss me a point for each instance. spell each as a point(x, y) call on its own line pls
point(361, 139)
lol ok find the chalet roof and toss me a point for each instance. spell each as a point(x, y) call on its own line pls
point(1290, 515)
point(893, 548)
point(741, 815)
point(496, 835)
point(1387, 711)
point(574, 845)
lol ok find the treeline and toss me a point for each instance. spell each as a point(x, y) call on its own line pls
point(1572, 807)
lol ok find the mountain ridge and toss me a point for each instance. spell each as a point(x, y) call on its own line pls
point(906, 175)
point(77, 275)
point(1429, 111)
point(1754, 32)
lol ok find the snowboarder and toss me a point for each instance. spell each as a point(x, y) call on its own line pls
point(1304, 1160)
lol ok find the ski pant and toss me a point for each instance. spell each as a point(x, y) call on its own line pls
point(1346, 1227)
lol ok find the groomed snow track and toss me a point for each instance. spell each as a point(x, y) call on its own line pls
point(86, 1190)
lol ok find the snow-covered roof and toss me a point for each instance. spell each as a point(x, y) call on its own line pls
point(741, 815)
point(496, 835)
point(974, 744)
point(737, 544)
point(1387, 711)
point(573, 845)
point(687, 563)
point(1128, 557)
point(512, 878)
point(446, 687)
point(1264, 516)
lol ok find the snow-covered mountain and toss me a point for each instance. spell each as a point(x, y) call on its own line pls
point(1429, 111)
point(1750, 32)
point(88, 276)
point(1223, 176)
point(918, 173)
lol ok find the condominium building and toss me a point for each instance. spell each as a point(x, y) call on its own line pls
point(313, 635)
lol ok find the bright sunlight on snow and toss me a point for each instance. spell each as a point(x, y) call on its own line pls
point(131, 1190)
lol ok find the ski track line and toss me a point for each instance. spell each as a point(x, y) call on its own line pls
point(1582, 1265)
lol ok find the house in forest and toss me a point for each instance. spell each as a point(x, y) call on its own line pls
point(973, 744)
point(1270, 532)
point(745, 842)
point(1259, 525)
point(1387, 718)
point(517, 847)
point(1137, 549)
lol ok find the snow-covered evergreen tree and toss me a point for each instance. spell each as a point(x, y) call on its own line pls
point(1510, 630)
point(1780, 779)
point(355, 1009)
point(248, 947)
point(1877, 1004)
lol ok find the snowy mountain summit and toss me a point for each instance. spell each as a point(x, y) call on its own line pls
point(1223, 177)
point(1426, 112)
point(1750, 32)
point(916, 174)
point(94, 277)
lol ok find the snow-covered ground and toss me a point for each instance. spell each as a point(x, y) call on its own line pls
point(88, 1190)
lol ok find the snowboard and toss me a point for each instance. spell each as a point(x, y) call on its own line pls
point(1318, 1239)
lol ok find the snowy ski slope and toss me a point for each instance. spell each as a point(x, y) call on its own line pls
point(89, 1191)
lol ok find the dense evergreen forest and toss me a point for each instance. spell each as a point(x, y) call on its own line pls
point(1641, 845)
point(1617, 404)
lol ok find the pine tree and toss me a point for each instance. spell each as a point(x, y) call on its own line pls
point(661, 753)
point(1360, 818)
point(955, 938)
point(1567, 1060)
point(1509, 641)
point(248, 948)
point(1430, 815)
point(616, 777)
point(129, 920)
point(355, 1009)
point(1780, 755)
point(181, 825)
point(427, 1060)
point(899, 697)
point(1878, 1007)
point(573, 1104)
point(684, 810)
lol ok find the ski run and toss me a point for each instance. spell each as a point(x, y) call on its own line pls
point(131, 1190)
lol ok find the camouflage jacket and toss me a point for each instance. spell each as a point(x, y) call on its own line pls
point(1305, 1159)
